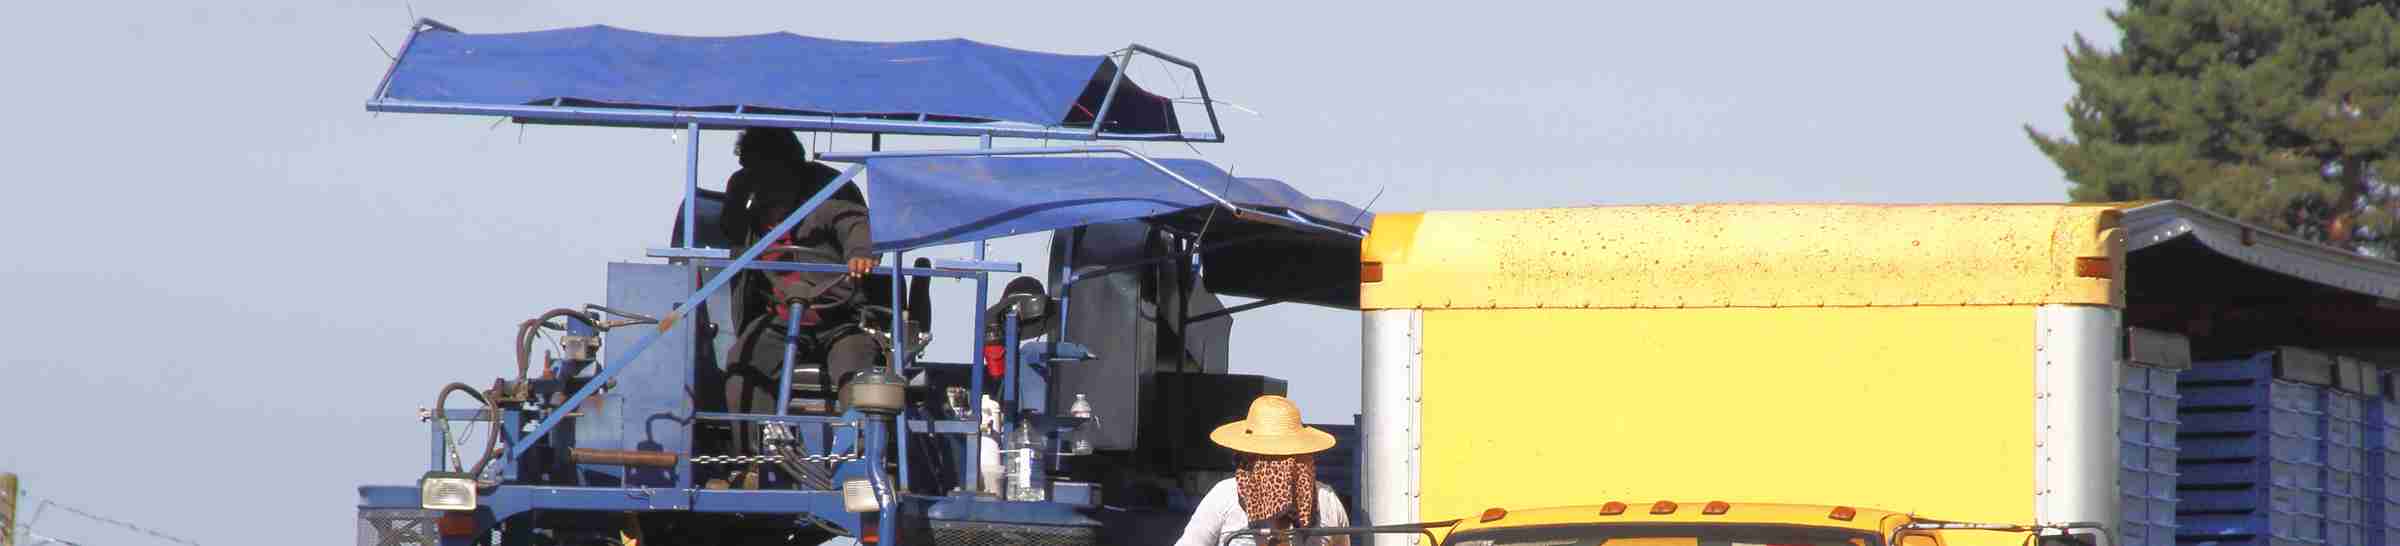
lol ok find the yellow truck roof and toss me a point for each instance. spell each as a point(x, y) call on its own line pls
point(1745, 255)
point(1879, 522)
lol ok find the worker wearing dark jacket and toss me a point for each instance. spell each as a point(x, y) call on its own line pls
point(775, 179)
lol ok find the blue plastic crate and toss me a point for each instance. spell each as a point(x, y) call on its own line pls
point(2281, 528)
point(2147, 451)
point(2284, 499)
point(2266, 461)
point(2379, 475)
point(2221, 446)
point(2259, 366)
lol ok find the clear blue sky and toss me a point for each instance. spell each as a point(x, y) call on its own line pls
point(231, 287)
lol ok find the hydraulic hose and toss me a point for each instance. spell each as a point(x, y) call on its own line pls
point(441, 418)
point(526, 330)
point(524, 346)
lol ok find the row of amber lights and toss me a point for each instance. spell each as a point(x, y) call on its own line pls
point(1713, 508)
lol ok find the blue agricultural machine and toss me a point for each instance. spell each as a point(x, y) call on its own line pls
point(619, 441)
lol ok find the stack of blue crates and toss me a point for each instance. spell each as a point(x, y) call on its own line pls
point(2345, 465)
point(2382, 469)
point(2254, 456)
point(2146, 452)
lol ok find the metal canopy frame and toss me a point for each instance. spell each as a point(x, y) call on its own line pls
point(667, 118)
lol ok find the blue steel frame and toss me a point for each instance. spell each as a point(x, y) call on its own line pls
point(693, 120)
point(508, 500)
point(566, 497)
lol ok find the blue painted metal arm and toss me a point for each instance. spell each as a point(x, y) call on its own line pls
point(617, 365)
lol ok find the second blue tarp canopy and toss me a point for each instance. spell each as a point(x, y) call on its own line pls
point(1309, 255)
point(926, 201)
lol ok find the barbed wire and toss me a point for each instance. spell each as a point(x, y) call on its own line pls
point(38, 539)
point(127, 526)
point(26, 527)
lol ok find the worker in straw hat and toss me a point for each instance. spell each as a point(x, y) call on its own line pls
point(1274, 484)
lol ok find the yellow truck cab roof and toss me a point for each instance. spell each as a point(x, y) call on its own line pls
point(1879, 522)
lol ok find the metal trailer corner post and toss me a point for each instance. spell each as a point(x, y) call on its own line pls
point(1391, 365)
point(2076, 374)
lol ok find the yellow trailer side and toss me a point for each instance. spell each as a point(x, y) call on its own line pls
point(1957, 360)
point(1789, 406)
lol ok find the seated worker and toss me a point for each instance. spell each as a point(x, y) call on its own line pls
point(775, 179)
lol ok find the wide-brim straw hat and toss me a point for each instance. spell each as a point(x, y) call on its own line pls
point(1273, 428)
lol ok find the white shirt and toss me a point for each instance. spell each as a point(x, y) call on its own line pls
point(1220, 513)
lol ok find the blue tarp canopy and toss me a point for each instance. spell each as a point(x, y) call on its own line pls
point(606, 75)
point(1312, 257)
point(926, 201)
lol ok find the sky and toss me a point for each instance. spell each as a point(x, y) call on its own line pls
point(232, 287)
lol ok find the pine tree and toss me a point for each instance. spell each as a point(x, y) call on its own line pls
point(2277, 112)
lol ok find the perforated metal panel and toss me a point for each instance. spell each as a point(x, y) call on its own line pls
point(397, 527)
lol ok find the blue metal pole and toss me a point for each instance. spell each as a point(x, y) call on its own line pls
point(441, 439)
point(883, 517)
point(1066, 271)
point(669, 321)
point(1100, 118)
point(1008, 374)
point(691, 181)
point(516, 444)
point(974, 450)
point(900, 361)
point(791, 346)
point(973, 465)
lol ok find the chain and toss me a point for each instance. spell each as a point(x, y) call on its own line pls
point(780, 436)
point(763, 459)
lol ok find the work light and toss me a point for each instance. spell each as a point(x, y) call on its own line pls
point(447, 491)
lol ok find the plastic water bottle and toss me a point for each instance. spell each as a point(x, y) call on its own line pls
point(1081, 442)
point(1025, 482)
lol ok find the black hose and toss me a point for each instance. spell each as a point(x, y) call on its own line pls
point(441, 418)
point(527, 329)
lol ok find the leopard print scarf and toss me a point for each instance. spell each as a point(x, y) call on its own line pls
point(1269, 485)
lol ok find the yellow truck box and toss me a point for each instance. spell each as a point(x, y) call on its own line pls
point(1958, 360)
